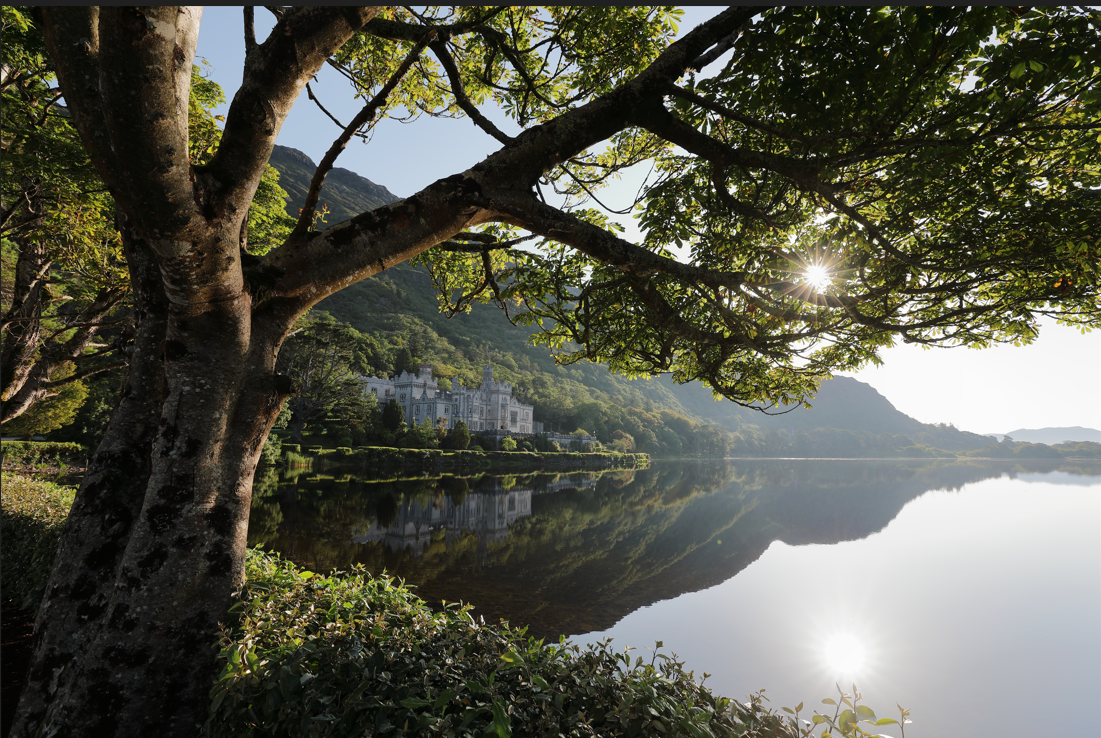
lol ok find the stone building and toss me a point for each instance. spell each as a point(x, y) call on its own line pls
point(490, 407)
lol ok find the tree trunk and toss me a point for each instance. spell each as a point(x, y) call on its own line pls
point(155, 544)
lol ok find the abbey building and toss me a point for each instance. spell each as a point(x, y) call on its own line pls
point(490, 407)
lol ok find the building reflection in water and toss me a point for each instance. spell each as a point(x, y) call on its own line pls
point(487, 513)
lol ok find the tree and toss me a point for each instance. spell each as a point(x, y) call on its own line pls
point(460, 436)
point(848, 176)
point(393, 416)
point(61, 250)
point(325, 359)
point(508, 444)
point(70, 280)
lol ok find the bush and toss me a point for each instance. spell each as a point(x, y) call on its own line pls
point(32, 518)
point(508, 444)
point(273, 449)
point(35, 453)
point(352, 655)
point(476, 447)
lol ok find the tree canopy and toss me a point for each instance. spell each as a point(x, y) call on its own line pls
point(825, 179)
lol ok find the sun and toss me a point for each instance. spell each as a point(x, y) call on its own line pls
point(817, 277)
point(844, 654)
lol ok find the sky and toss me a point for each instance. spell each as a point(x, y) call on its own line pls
point(1054, 382)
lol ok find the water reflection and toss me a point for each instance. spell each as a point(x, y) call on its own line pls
point(574, 553)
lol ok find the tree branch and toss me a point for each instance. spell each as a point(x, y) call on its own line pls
point(305, 219)
point(281, 66)
point(250, 30)
point(72, 37)
point(440, 49)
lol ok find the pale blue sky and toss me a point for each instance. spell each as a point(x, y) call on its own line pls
point(1052, 383)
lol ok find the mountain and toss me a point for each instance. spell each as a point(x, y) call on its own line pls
point(400, 308)
point(1053, 436)
point(345, 193)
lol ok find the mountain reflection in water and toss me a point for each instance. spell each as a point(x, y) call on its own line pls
point(574, 553)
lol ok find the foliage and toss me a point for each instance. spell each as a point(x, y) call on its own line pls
point(57, 409)
point(421, 435)
point(37, 453)
point(459, 438)
point(868, 144)
point(325, 359)
point(32, 517)
point(329, 656)
point(508, 444)
point(272, 451)
point(393, 416)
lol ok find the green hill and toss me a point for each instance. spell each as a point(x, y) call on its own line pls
point(400, 310)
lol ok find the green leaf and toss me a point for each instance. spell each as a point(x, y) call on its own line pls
point(445, 697)
point(501, 723)
point(864, 712)
point(413, 703)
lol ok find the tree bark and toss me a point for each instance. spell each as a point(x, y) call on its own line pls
point(154, 546)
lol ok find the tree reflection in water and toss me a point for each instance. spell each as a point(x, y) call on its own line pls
point(573, 553)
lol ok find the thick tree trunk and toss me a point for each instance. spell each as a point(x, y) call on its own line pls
point(155, 544)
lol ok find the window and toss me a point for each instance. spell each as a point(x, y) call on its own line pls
point(403, 397)
point(446, 410)
point(512, 417)
point(417, 411)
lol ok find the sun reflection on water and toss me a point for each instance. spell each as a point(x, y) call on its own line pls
point(845, 655)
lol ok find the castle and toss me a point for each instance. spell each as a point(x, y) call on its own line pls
point(491, 407)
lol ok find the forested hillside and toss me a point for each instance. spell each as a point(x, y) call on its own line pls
point(398, 309)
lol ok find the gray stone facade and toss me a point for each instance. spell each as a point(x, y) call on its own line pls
point(490, 407)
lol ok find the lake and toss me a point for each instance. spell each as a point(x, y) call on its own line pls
point(969, 592)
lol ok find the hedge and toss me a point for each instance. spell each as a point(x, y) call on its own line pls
point(35, 453)
point(32, 518)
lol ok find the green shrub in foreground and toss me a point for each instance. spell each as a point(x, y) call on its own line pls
point(354, 655)
point(33, 515)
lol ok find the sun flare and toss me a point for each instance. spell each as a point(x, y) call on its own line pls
point(817, 277)
point(844, 654)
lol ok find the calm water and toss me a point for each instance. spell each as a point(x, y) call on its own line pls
point(968, 592)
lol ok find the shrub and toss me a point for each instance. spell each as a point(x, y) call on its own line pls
point(33, 515)
point(34, 453)
point(272, 450)
point(352, 655)
point(508, 444)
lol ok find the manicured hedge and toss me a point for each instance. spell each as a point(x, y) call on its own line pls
point(33, 515)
